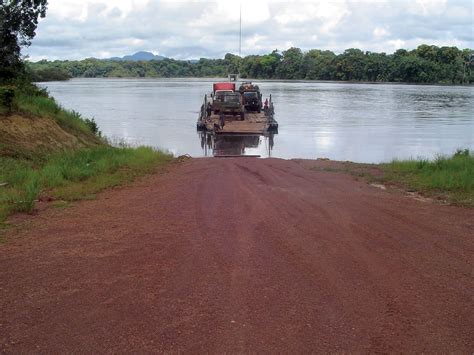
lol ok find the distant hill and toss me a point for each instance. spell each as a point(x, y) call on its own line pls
point(139, 56)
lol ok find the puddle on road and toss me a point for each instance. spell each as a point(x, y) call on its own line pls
point(215, 145)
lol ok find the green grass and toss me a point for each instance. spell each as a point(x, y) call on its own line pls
point(448, 177)
point(71, 175)
point(66, 175)
point(36, 102)
point(43, 106)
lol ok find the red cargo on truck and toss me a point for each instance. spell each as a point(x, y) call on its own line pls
point(224, 86)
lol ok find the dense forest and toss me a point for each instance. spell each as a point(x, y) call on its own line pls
point(425, 64)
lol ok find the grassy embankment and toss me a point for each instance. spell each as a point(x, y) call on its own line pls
point(449, 178)
point(51, 153)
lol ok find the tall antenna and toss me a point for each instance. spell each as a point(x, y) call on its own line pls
point(240, 31)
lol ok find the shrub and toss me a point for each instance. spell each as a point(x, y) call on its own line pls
point(92, 124)
point(7, 96)
point(462, 153)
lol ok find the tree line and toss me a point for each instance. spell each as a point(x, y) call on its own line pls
point(425, 64)
point(18, 22)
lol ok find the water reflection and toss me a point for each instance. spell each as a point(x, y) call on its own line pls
point(219, 145)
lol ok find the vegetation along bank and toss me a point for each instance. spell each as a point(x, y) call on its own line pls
point(425, 64)
point(49, 153)
point(447, 178)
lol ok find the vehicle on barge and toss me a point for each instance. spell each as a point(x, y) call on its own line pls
point(230, 111)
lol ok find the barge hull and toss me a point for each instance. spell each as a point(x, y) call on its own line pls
point(253, 123)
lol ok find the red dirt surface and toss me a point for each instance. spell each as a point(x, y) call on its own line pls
point(239, 255)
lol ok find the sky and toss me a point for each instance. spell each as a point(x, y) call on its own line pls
point(186, 29)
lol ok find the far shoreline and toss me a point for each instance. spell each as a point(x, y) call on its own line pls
point(210, 79)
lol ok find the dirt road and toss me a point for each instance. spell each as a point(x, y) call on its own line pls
point(241, 255)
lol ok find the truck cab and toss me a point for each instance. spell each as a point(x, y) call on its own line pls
point(231, 104)
point(251, 97)
point(220, 90)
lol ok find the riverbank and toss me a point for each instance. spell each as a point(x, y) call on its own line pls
point(239, 255)
point(445, 178)
point(67, 176)
point(49, 153)
point(448, 179)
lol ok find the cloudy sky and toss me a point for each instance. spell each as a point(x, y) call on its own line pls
point(185, 29)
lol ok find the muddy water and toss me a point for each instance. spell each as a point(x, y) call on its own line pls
point(358, 122)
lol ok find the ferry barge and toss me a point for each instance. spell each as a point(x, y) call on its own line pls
point(230, 111)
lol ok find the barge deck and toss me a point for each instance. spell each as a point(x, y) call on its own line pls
point(253, 123)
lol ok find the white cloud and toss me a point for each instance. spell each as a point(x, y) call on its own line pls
point(227, 13)
point(254, 43)
point(328, 13)
point(380, 32)
point(396, 44)
point(79, 9)
point(429, 7)
point(186, 29)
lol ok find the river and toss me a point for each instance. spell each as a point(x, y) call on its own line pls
point(368, 123)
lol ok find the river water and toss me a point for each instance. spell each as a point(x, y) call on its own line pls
point(358, 122)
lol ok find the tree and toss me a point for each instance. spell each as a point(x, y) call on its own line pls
point(351, 65)
point(290, 65)
point(18, 22)
point(318, 65)
point(270, 63)
point(427, 52)
point(376, 66)
point(233, 63)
